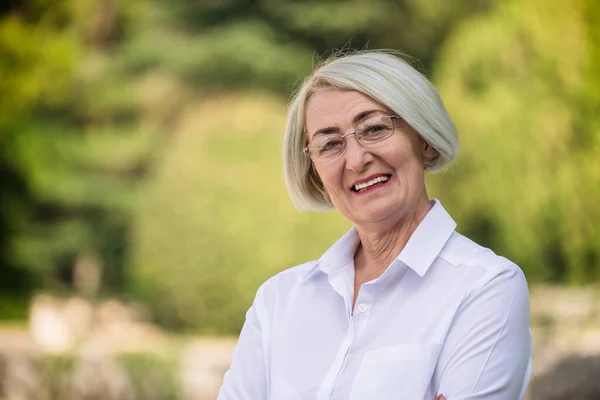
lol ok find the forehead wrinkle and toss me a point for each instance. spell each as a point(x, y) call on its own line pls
point(368, 110)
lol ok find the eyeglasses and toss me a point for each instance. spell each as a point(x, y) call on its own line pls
point(327, 147)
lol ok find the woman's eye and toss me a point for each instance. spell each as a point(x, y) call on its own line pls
point(331, 145)
point(375, 130)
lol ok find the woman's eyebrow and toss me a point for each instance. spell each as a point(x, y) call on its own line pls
point(364, 114)
point(357, 118)
point(324, 131)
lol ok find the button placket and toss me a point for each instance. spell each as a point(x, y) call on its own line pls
point(362, 310)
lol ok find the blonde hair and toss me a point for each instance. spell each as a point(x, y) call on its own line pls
point(386, 78)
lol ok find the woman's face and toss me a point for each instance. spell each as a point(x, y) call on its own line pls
point(398, 158)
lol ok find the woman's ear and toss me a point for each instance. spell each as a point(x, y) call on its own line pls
point(429, 154)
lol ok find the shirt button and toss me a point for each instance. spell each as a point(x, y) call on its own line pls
point(362, 307)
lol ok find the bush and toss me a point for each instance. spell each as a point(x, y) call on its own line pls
point(217, 220)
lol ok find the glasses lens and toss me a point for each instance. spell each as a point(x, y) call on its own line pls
point(375, 129)
point(326, 147)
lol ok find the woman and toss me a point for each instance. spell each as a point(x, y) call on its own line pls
point(402, 306)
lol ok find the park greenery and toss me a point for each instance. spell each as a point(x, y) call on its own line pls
point(146, 135)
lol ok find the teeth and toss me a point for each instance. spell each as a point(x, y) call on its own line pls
point(372, 182)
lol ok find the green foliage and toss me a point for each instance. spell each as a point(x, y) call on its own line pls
point(55, 373)
point(223, 57)
point(35, 65)
point(217, 221)
point(14, 305)
point(153, 377)
point(528, 182)
point(132, 376)
point(416, 27)
point(38, 53)
point(147, 134)
point(272, 44)
point(72, 148)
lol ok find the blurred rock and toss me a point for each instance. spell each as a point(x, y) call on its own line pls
point(574, 378)
point(565, 305)
point(112, 316)
point(49, 327)
point(59, 326)
point(204, 363)
point(78, 316)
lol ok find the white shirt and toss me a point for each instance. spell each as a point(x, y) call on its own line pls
point(448, 316)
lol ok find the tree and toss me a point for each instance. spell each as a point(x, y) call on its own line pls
point(520, 84)
point(71, 146)
point(274, 43)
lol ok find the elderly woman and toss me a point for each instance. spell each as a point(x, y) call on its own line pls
point(402, 306)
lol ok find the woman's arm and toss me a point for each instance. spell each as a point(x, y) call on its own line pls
point(246, 377)
point(487, 352)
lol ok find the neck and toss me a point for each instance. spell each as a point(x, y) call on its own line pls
point(380, 245)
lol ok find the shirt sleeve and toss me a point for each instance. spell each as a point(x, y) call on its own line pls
point(487, 352)
point(246, 377)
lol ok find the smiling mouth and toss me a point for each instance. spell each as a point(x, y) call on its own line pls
point(378, 181)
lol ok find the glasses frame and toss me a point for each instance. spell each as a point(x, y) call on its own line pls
point(344, 136)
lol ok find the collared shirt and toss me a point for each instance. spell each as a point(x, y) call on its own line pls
point(448, 316)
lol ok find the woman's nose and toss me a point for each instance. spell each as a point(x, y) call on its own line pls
point(357, 156)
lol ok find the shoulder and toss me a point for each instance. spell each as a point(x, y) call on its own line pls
point(493, 270)
point(284, 282)
point(290, 276)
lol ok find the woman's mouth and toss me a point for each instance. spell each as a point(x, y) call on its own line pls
point(371, 184)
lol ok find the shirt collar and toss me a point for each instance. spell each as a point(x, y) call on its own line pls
point(428, 240)
point(338, 255)
point(424, 245)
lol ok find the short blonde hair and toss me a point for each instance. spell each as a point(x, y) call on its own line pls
point(386, 78)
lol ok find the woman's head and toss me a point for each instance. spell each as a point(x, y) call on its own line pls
point(339, 97)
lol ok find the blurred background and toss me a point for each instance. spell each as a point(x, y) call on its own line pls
point(142, 201)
